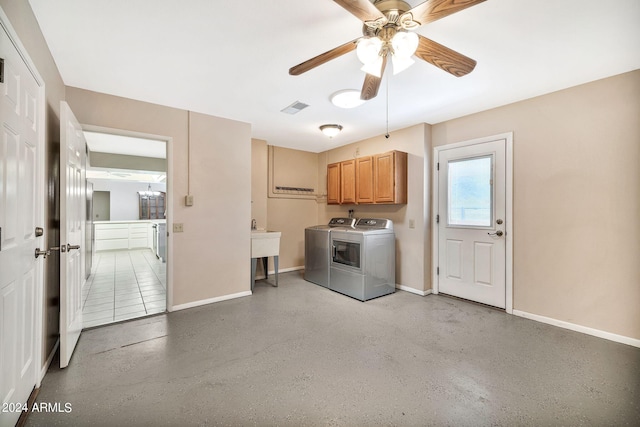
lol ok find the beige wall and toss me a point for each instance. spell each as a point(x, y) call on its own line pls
point(24, 23)
point(412, 249)
point(291, 213)
point(259, 182)
point(576, 200)
point(211, 257)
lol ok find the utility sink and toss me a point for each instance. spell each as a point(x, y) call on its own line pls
point(265, 243)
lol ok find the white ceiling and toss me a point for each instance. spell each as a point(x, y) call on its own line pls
point(231, 59)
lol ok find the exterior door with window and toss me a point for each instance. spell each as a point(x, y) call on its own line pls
point(471, 226)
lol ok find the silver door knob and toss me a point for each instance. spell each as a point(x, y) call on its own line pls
point(69, 247)
point(41, 252)
point(497, 233)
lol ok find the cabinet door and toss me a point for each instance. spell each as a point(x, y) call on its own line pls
point(364, 180)
point(390, 177)
point(348, 187)
point(333, 184)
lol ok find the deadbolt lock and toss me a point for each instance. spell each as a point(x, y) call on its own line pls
point(499, 221)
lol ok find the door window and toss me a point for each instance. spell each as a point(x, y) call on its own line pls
point(470, 192)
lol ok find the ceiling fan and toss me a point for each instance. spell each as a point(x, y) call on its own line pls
point(387, 32)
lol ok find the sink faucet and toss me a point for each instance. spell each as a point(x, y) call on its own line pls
point(253, 224)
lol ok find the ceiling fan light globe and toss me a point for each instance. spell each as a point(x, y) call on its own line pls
point(374, 68)
point(404, 44)
point(368, 49)
point(400, 64)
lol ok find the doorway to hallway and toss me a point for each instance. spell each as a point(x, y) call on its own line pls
point(130, 253)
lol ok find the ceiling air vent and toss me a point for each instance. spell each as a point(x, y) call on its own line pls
point(294, 108)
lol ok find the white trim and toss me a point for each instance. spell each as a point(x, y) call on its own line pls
point(413, 290)
point(508, 137)
point(47, 363)
point(210, 301)
point(579, 328)
point(38, 341)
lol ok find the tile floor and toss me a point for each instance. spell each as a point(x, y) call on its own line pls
point(124, 285)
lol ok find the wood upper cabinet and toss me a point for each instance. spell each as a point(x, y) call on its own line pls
point(390, 177)
point(333, 184)
point(373, 179)
point(364, 180)
point(348, 181)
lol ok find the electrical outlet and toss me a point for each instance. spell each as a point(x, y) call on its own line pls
point(412, 223)
point(178, 227)
point(188, 200)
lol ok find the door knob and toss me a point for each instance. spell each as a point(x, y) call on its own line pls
point(69, 247)
point(41, 252)
point(497, 233)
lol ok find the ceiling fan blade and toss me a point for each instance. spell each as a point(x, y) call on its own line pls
point(442, 57)
point(372, 83)
point(323, 57)
point(364, 10)
point(432, 10)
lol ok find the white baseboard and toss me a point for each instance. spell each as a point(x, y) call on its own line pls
point(413, 290)
point(281, 270)
point(210, 301)
point(45, 368)
point(579, 328)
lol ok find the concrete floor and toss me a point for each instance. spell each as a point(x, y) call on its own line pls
point(301, 355)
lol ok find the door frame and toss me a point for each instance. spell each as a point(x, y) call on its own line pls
point(169, 196)
point(41, 178)
point(508, 137)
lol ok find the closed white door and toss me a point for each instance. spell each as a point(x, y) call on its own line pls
point(72, 225)
point(21, 208)
point(472, 223)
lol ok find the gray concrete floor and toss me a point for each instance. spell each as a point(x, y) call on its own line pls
point(301, 355)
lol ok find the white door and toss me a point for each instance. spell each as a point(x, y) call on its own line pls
point(72, 224)
point(21, 210)
point(472, 222)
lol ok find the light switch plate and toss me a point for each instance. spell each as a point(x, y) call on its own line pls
point(178, 227)
point(188, 200)
point(412, 223)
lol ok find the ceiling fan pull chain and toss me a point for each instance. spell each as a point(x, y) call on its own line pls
point(386, 135)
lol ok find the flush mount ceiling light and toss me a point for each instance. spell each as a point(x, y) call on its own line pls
point(348, 98)
point(331, 130)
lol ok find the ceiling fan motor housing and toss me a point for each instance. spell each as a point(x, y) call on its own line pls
point(386, 27)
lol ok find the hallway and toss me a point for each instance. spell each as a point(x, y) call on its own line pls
point(124, 285)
